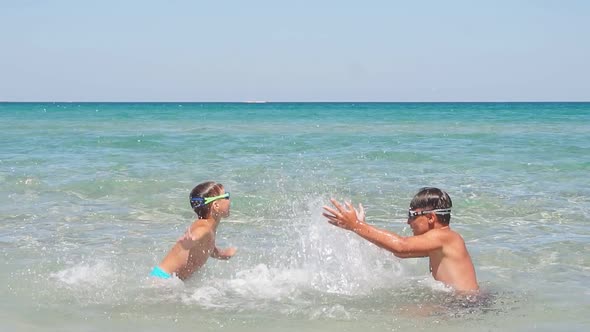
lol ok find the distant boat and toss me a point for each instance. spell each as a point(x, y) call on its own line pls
point(255, 101)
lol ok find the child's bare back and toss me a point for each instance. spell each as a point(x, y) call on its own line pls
point(191, 251)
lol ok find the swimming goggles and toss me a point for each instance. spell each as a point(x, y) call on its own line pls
point(200, 201)
point(413, 214)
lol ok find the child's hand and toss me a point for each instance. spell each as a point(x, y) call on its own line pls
point(229, 252)
point(226, 253)
point(344, 217)
point(360, 213)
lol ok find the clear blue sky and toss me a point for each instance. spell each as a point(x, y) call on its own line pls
point(237, 50)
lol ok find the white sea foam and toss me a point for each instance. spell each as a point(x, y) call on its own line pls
point(85, 274)
point(336, 311)
point(268, 283)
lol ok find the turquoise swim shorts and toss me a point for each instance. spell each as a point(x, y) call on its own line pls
point(159, 273)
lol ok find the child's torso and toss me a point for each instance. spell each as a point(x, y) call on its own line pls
point(452, 265)
point(195, 258)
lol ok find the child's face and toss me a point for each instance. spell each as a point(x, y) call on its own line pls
point(224, 205)
point(419, 224)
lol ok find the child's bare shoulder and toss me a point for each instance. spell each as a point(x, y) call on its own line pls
point(448, 235)
point(455, 240)
point(201, 229)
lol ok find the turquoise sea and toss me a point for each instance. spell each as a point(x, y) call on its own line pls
point(94, 195)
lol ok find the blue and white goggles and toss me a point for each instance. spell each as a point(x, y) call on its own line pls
point(413, 214)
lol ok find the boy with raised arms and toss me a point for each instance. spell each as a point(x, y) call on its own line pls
point(429, 217)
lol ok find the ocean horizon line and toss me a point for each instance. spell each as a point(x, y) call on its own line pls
point(262, 102)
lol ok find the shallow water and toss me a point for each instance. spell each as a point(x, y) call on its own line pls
point(95, 195)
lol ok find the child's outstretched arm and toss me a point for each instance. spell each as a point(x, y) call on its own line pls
point(223, 254)
point(404, 247)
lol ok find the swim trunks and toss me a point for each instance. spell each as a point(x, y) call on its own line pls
point(159, 273)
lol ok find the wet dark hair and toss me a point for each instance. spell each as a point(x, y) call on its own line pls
point(205, 189)
point(430, 198)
